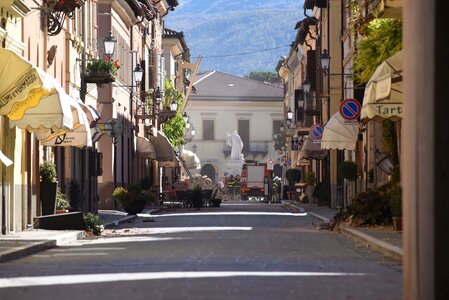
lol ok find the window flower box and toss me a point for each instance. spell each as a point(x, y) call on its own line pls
point(67, 6)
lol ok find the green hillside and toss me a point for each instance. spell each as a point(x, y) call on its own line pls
point(220, 28)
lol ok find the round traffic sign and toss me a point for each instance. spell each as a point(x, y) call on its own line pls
point(316, 132)
point(270, 161)
point(350, 109)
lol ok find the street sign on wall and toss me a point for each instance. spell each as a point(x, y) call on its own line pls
point(316, 132)
point(270, 164)
point(350, 109)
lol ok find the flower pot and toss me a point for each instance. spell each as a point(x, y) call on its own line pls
point(48, 197)
point(135, 207)
point(397, 223)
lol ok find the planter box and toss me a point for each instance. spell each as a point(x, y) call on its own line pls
point(48, 197)
point(67, 221)
point(135, 207)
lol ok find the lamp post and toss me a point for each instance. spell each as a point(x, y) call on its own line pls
point(90, 156)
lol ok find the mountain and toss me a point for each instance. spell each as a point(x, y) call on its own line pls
point(225, 27)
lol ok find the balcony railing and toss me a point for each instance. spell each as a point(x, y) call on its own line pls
point(255, 148)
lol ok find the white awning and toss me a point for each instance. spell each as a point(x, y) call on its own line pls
point(80, 136)
point(53, 111)
point(383, 93)
point(22, 85)
point(163, 148)
point(339, 134)
point(145, 148)
point(191, 160)
point(5, 160)
point(311, 150)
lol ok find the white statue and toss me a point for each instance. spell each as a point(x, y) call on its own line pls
point(236, 143)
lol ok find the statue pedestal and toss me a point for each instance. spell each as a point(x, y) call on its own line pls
point(235, 167)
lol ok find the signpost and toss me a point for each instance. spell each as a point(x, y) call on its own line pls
point(316, 132)
point(270, 164)
point(350, 109)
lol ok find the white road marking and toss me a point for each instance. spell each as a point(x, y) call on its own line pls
point(86, 249)
point(115, 277)
point(231, 213)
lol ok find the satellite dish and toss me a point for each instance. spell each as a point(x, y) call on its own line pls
point(113, 127)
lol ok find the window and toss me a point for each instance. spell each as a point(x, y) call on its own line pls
point(208, 130)
point(243, 131)
point(277, 126)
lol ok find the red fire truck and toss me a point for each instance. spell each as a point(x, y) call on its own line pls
point(254, 181)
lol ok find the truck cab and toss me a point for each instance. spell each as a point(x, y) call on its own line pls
point(254, 181)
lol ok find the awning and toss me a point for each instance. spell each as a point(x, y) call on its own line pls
point(311, 150)
point(51, 112)
point(383, 93)
point(163, 147)
point(23, 85)
point(339, 134)
point(5, 160)
point(92, 114)
point(80, 136)
point(191, 160)
point(145, 148)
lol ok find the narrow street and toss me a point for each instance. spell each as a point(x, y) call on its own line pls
point(242, 250)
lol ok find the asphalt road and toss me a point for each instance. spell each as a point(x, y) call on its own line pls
point(249, 251)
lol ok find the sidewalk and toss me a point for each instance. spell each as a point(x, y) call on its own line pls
point(382, 239)
point(28, 242)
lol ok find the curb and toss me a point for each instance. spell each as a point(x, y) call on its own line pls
point(33, 246)
point(36, 246)
point(119, 221)
point(324, 219)
point(373, 243)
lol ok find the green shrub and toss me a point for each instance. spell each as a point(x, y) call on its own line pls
point(197, 196)
point(373, 207)
point(135, 188)
point(322, 193)
point(61, 201)
point(395, 196)
point(47, 171)
point(121, 195)
point(149, 198)
point(93, 223)
point(310, 178)
point(349, 170)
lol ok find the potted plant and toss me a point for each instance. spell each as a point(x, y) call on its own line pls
point(48, 187)
point(395, 198)
point(197, 196)
point(132, 200)
point(62, 204)
point(310, 181)
point(105, 67)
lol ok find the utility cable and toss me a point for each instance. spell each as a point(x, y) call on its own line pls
point(246, 53)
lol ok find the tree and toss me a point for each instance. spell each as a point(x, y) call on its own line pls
point(174, 128)
point(270, 77)
point(382, 38)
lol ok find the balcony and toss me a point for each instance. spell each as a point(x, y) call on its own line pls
point(255, 148)
point(313, 105)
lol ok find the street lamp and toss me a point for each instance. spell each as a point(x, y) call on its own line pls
point(186, 117)
point(306, 86)
point(174, 105)
point(109, 45)
point(289, 114)
point(325, 59)
point(192, 131)
point(138, 74)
